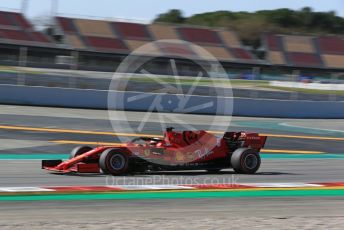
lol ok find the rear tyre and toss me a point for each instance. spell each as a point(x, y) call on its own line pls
point(79, 151)
point(245, 161)
point(114, 162)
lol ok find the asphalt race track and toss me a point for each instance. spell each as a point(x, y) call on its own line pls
point(307, 151)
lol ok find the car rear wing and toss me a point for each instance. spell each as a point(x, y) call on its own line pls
point(248, 140)
point(254, 141)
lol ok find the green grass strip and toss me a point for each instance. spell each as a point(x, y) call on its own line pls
point(174, 195)
point(33, 156)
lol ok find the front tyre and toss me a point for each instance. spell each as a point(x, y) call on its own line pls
point(77, 151)
point(114, 162)
point(245, 161)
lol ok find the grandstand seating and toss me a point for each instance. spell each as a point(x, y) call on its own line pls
point(75, 41)
point(276, 57)
point(241, 54)
point(132, 31)
point(12, 19)
point(103, 43)
point(230, 38)
point(331, 45)
point(4, 20)
point(200, 35)
point(223, 45)
point(15, 29)
point(175, 48)
point(273, 42)
point(201, 42)
point(15, 35)
point(162, 32)
point(305, 51)
point(125, 37)
point(209, 52)
point(94, 28)
point(332, 50)
point(66, 25)
point(298, 51)
point(299, 44)
point(39, 37)
point(21, 21)
point(304, 59)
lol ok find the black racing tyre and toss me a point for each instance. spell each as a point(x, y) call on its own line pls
point(77, 151)
point(114, 162)
point(245, 161)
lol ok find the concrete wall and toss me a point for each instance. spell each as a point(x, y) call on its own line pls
point(98, 99)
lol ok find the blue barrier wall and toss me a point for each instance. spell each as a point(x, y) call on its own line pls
point(288, 108)
point(98, 99)
point(59, 97)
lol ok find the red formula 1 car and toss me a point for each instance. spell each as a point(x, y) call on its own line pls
point(187, 150)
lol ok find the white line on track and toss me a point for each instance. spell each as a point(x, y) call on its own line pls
point(305, 127)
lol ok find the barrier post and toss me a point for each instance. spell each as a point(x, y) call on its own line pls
point(332, 96)
point(295, 75)
point(255, 73)
point(22, 63)
point(73, 67)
